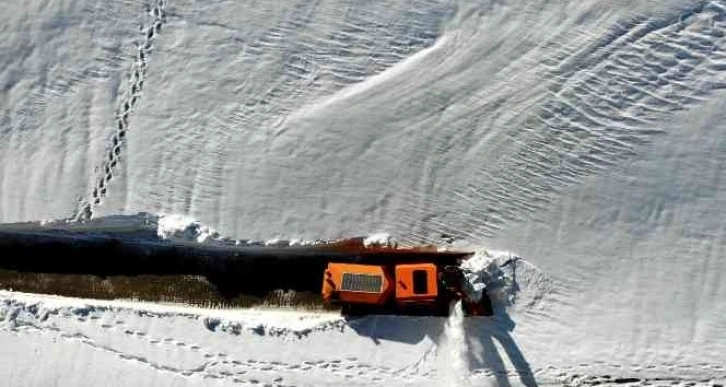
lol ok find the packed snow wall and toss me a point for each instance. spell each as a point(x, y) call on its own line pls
point(587, 136)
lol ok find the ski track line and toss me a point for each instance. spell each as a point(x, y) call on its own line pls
point(127, 104)
point(601, 104)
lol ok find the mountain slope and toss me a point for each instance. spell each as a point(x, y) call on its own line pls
point(587, 136)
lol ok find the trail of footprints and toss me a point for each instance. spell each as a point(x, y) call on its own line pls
point(603, 102)
point(219, 365)
point(303, 68)
point(128, 102)
point(223, 366)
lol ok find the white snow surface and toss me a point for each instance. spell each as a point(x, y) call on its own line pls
point(484, 270)
point(589, 136)
point(378, 239)
point(185, 228)
point(455, 344)
point(172, 345)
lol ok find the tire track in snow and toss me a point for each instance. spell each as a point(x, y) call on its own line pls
point(128, 102)
point(602, 104)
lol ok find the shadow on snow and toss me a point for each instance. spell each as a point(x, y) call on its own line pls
point(489, 340)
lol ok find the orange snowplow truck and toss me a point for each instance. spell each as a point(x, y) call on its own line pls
point(394, 280)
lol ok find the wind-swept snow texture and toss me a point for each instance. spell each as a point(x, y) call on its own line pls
point(588, 136)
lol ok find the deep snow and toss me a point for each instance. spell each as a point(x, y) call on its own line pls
point(587, 136)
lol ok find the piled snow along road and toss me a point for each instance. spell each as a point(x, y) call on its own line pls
point(509, 280)
point(176, 227)
point(185, 228)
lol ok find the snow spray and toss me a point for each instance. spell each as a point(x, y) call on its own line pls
point(456, 347)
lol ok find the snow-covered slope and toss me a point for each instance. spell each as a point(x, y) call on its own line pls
point(259, 118)
point(54, 340)
point(587, 136)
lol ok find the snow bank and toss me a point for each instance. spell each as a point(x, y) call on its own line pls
point(378, 239)
point(18, 308)
point(507, 278)
point(184, 227)
point(482, 269)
